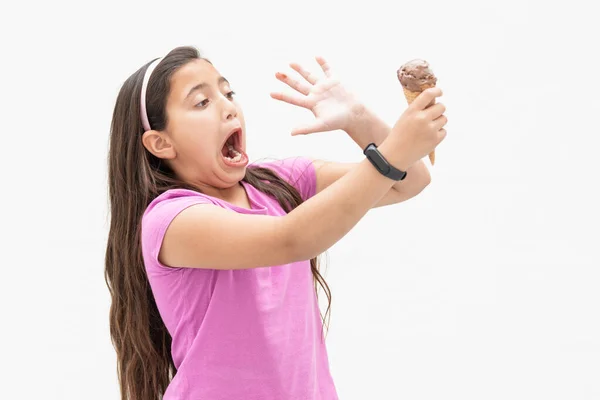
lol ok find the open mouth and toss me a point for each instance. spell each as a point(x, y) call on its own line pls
point(232, 149)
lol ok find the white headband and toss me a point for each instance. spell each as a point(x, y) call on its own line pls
point(144, 115)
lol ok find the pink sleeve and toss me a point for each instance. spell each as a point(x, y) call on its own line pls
point(298, 172)
point(155, 222)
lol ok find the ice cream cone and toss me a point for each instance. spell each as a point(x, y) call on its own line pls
point(416, 76)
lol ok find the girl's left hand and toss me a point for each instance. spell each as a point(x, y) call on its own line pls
point(333, 106)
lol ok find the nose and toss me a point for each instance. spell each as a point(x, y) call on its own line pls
point(229, 109)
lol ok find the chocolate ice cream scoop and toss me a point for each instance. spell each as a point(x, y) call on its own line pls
point(416, 76)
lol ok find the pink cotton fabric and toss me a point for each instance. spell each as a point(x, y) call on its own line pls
point(253, 334)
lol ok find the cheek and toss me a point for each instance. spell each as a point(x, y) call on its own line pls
point(200, 144)
point(198, 131)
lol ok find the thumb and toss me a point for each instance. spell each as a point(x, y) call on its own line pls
point(311, 127)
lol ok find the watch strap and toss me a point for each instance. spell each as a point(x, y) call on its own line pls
point(382, 165)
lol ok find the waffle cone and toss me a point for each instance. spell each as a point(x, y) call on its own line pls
point(410, 97)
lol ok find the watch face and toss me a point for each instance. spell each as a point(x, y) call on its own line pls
point(379, 162)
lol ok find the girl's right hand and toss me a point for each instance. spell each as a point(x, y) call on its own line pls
point(417, 132)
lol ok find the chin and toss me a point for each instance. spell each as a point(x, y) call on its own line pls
point(232, 174)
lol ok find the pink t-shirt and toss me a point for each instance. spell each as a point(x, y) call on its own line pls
point(251, 334)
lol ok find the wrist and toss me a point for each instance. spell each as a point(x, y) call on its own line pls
point(366, 127)
point(359, 122)
point(393, 155)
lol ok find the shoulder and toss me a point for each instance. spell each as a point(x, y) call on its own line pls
point(160, 213)
point(298, 171)
point(172, 200)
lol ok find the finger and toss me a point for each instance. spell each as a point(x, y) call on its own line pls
point(311, 127)
point(440, 122)
point(426, 97)
point(324, 66)
point(435, 110)
point(441, 135)
point(299, 101)
point(309, 76)
point(302, 87)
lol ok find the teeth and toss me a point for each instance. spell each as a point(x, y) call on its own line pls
point(232, 150)
point(235, 159)
point(237, 155)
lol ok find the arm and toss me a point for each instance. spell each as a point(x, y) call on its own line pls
point(204, 236)
point(368, 128)
point(329, 172)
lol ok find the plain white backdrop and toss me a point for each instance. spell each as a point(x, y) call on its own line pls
point(485, 286)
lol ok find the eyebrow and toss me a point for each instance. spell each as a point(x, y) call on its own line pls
point(203, 84)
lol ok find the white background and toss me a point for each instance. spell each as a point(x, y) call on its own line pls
point(485, 286)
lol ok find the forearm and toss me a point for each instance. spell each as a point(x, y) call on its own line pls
point(322, 220)
point(369, 128)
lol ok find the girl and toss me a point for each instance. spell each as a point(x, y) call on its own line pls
point(211, 261)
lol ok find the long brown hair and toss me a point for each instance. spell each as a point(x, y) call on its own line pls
point(135, 177)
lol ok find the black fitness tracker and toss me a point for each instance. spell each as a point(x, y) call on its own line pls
point(382, 165)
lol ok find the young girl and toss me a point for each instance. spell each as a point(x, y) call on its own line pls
point(211, 261)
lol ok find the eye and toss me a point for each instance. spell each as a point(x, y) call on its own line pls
point(203, 103)
point(230, 95)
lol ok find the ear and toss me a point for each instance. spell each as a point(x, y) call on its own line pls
point(159, 144)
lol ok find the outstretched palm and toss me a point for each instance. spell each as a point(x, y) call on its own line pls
point(333, 106)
